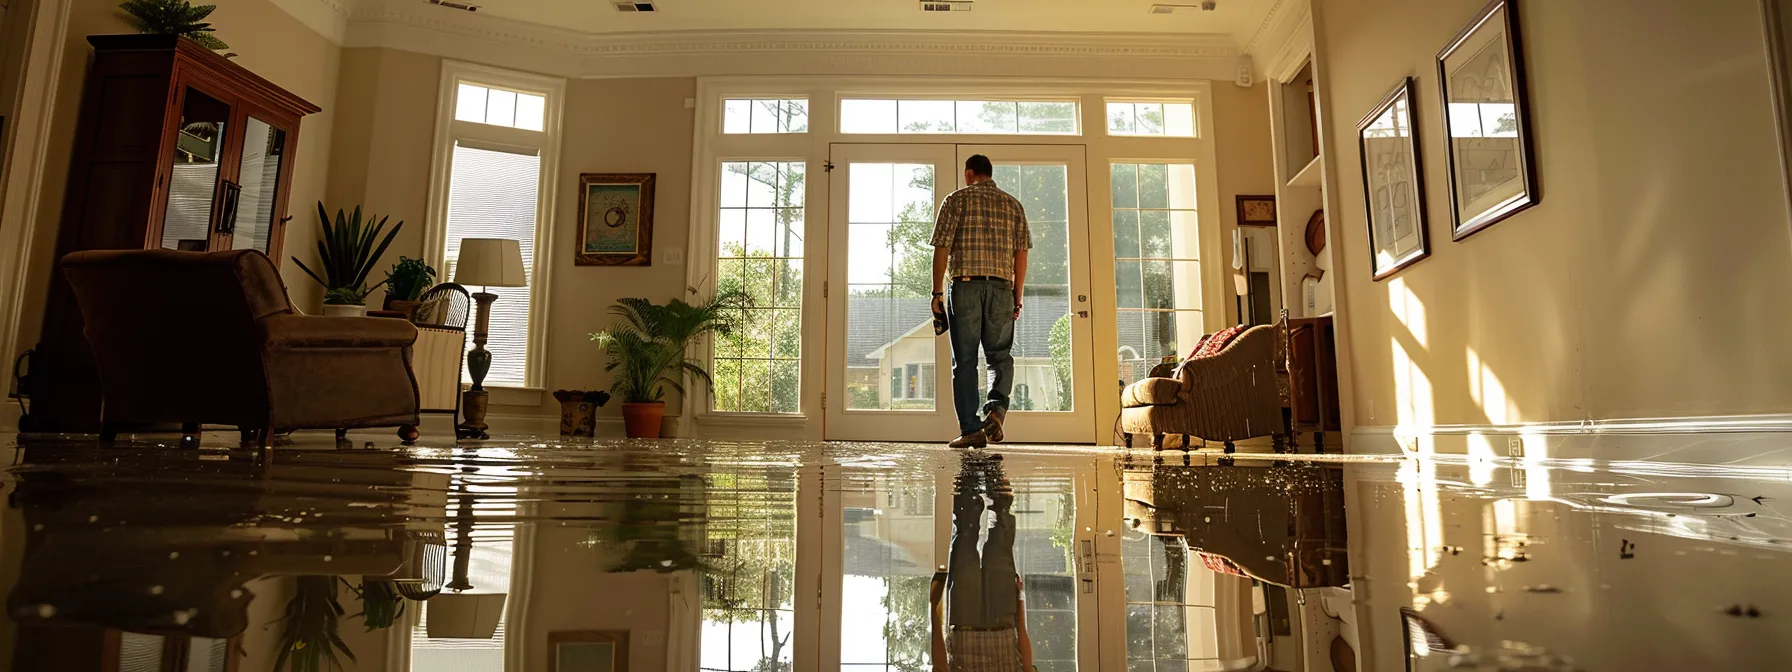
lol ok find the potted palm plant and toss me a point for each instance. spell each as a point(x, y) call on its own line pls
point(347, 253)
point(648, 351)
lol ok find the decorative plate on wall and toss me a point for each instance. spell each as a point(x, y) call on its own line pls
point(1316, 232)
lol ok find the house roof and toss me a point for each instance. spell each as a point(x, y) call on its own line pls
point(874, 322)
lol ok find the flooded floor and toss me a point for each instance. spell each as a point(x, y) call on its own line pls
point(524, 554)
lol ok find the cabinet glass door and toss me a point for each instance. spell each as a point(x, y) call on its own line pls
point(258, 182)
point(193, 179)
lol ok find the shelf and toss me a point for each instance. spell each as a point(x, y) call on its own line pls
point(1309, 176)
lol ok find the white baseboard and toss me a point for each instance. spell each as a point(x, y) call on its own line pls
point(1731, 440)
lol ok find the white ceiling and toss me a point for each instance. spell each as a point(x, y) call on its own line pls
point(1232, 17)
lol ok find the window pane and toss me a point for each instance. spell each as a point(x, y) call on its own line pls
point(1126, 233)
point(794, 117)
point(492, 194)
point(926, 116)
point(868, 116)
point(1153, 192)
point(1152, 118)
point(994, 117)
point(500, 108)
point(469, 103)
point(761, 254)
point(888, 265)
point(531, 111)
point(1157, 269)
point(1126, 185)
point(883, 596)
point(736, 116)
point(488, 570)
point(765, 115)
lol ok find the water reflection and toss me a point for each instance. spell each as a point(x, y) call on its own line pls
point(768, 557)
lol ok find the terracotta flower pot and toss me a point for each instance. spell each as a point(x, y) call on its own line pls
point(642, 420)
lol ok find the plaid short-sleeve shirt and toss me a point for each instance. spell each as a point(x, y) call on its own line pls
point(983, 227)
point(983, 651)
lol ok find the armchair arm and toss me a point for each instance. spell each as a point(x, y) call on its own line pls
point(310, 331)
point(1248, 360)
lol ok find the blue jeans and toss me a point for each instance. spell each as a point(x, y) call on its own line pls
point(981, 585)
point(980, 313)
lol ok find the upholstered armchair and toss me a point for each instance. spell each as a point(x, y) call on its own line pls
point(195, 338)
point(1224, 396)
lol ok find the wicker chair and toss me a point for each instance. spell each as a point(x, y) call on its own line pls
point(1225, 397)
point(439, 354)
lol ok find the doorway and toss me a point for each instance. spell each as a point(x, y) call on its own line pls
point(889, 377)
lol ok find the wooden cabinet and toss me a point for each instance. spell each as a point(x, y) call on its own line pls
point(177, 148)
point(1313, 376)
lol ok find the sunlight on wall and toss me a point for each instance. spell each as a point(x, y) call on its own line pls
point(1481, 459)
point(1407, 308)
point(1424, 526)
point(1412, 391)
point(1489, 393)
point(1536, 473)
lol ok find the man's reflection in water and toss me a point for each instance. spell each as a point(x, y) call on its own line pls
point(987, 631)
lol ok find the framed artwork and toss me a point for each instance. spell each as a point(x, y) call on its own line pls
point(588, 651)
point(1256, 210)
point(1492, 175)
point(615, 219)
point(1393, 183)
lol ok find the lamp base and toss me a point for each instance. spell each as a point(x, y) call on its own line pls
point(473, 405)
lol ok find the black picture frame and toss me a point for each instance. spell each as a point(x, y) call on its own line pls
point(1481, 73)
point(1406, 196)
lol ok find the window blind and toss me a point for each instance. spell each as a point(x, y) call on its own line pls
point(492, 194)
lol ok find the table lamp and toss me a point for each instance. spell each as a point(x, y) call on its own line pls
point(486, 262)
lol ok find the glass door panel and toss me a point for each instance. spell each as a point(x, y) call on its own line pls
point(889, 551)
point(258, 176)
point(888, 373)
point(198, 151)
point(1051, 400)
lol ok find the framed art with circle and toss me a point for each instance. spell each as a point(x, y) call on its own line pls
point(615, 219)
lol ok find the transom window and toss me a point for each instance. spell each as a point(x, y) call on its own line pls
point(757, 116)
point(991, 117)
point(1175, 120)
point(499, 107)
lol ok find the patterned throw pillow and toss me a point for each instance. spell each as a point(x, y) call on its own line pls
point(1212, 345)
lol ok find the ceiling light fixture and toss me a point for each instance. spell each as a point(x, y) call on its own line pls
point(945, 5)
point(454, 5)
point(628, 6)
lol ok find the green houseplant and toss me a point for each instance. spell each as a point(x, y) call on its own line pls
point(648, 351)
point(347, 253)
point(309, 636)
point(173, 17)
point(407, 281)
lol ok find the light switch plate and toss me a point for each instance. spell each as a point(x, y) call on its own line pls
point(653, 638)
point(672, 255)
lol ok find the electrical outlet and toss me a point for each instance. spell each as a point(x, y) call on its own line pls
point(1515, 447)
point(673, 256)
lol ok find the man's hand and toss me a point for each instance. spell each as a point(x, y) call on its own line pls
point(940, 322)
point(937, 590)
point(1017, 303)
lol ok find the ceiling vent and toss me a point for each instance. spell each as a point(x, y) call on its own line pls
point(945, 5)
point(634, 6)
point(1207, 6)
point(455, 5)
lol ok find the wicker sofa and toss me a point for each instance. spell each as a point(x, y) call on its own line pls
point(1224, 396)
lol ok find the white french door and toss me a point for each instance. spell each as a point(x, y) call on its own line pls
point(889, 377)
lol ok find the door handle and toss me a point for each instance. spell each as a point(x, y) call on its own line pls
point(227, 211)
point(1082, 298)
point(1082, 313)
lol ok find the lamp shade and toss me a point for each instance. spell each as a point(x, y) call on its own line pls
point(464, 615)
point(490, 262)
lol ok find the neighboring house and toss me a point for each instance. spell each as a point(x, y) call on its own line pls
point(890, 349)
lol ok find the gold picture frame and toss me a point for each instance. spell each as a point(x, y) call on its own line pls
point(615, 219)
point(588, 651)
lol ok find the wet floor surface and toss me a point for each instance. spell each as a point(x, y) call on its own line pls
point(677, 555)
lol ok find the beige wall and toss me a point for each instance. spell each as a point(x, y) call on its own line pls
point(572, 592)
point(1246, 160)
point(267, 41)
point(1646, 282)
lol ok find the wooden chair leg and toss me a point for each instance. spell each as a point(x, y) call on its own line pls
point(108, 432)
point(1188, 443)
point(341, 434)
point(1319, 441)
point(265, 439)
point(1157, 441)
point(1231, 448)
point(189, 434)
point(1127, 437)
point(1280, 441)
point(251, 436)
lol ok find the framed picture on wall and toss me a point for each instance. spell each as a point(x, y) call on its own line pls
point(615, 219)
point(1256, 210)
point(588, 651)
point(1486, 121)
point(1393, 183)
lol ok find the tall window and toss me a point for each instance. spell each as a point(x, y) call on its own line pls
point(498, 151)
point(758, 369)
point(1157, 267)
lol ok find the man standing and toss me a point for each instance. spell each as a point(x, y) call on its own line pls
point(987, 627)
point(981, 236)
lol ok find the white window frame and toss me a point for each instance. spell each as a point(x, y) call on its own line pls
point(1194, 112)
point(1018, 137)
point(547, 141)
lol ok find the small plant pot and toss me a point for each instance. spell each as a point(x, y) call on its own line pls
point(642, 420)
point(345, 310)
point(405, 307)
point(578, 419)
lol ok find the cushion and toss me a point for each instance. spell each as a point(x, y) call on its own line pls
point(1151, 392)
point(1212, 345)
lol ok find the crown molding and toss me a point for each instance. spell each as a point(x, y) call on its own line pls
point(416, 26)
point(1286, 28)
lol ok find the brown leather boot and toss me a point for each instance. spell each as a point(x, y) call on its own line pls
point(972, 440)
